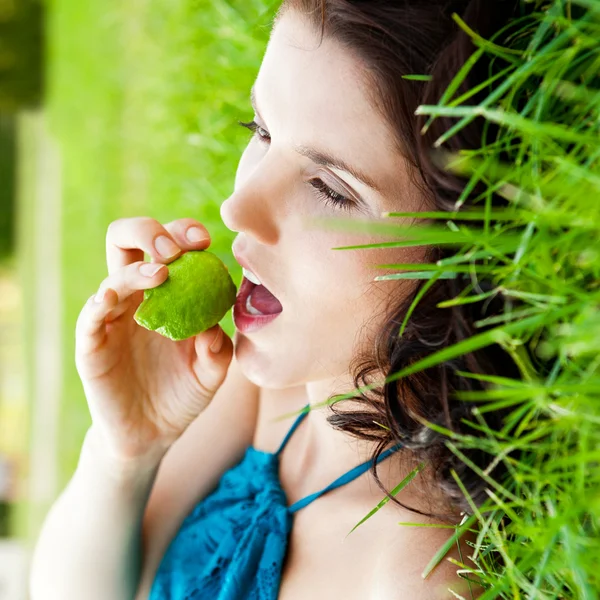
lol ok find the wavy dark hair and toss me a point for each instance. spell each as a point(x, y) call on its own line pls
point(395, 38)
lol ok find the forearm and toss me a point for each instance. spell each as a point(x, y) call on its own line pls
point(90, 545)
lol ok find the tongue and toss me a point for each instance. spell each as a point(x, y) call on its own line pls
point(262, 299)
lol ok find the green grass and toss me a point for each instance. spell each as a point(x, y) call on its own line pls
point(539, 530)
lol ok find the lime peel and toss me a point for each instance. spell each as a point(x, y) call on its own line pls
point(196, 295)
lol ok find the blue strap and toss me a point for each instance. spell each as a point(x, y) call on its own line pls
point(346, 478)
point(301, 416)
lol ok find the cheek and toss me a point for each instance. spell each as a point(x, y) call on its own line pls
point(348, 296)
point(329, 279)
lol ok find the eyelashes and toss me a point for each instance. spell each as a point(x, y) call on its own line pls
point(255, 127)
point(324, 192)
point(329, 196)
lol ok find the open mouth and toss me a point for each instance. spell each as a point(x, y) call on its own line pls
point(256, 300)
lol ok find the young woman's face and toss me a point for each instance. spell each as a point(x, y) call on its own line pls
point(311, 99)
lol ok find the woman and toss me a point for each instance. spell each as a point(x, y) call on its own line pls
point(186, 452)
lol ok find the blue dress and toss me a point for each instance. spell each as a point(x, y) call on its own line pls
point(233, 543)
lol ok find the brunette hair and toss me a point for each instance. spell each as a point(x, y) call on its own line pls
point(393, 38)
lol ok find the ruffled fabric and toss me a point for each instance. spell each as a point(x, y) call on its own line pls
point(233, 543)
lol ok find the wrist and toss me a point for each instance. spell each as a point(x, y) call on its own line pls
point(119, 467)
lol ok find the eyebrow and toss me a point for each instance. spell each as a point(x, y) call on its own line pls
point(323, 158)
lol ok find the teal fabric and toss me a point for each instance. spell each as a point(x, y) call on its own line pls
point(233, 543)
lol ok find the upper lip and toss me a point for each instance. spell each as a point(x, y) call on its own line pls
point(244, 263)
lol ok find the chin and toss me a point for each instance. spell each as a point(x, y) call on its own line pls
point(262, 369)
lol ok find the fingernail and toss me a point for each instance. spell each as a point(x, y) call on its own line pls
point(217, 344)
point(150, 269)
point(165, 246)
point(99, 297)
point(195, 235)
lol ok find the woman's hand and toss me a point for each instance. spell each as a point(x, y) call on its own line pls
point(142, 388)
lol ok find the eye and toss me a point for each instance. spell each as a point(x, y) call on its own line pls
point(258, 131)
point(329, 196)
point(323, 190)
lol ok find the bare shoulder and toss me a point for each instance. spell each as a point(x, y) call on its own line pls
point(400, 564)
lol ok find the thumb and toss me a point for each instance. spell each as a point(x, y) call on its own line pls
point(214, 351)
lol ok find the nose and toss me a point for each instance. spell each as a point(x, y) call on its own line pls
point(252, 208)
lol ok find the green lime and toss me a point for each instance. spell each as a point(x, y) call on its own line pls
point(196, 295)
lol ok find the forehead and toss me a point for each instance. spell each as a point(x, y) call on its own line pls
point(314, 95)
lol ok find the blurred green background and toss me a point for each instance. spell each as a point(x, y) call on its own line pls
point(107, 110)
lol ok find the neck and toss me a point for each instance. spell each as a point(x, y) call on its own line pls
point(321, 453)
point(321, 438)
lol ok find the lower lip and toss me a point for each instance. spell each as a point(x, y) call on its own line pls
point(244, 321)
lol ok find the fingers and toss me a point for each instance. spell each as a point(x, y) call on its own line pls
point(116, 288)
point(214, 352)
point(90, 327)
point(127, 240)
point(181, 228)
